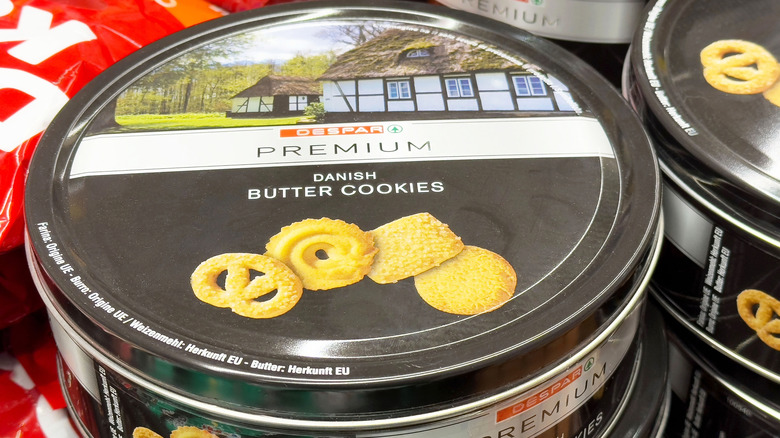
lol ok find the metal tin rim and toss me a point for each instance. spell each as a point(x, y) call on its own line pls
point(635, 302)
point(692, 328)
point(726, 380)
point(654, 349)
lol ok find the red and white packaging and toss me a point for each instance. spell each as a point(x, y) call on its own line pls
point(48, 50)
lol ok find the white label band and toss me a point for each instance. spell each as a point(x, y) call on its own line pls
point(480, 139)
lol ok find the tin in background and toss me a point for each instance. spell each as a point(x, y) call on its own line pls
point(718, 150)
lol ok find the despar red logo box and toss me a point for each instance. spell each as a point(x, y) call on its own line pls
point(51, 49)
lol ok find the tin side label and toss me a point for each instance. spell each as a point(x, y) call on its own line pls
point(540, 412)
point(720, 279)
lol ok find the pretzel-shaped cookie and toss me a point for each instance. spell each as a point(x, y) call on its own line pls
point(325, 253)
point(241, 291)
point(764, 318)
point(739, 67)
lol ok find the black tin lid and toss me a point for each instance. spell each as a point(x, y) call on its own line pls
point(692, 63)
point(523, 151)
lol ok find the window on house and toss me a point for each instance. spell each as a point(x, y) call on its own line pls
point(527, 85)
point(399, 90)
point(459, 87)
point(418, 53)
point(298, 103)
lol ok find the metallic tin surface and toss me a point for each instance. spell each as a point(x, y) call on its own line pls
point(468, 125)
point(715, 396)
point(715, 131)
point(612, 21)
point(603, 400)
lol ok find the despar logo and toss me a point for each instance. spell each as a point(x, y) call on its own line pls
point(332, 130)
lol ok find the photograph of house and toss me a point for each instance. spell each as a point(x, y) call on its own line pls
point(406, 73)
point(275, 96)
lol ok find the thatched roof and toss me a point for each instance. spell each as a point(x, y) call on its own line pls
point(273, 85)
point(384, 56)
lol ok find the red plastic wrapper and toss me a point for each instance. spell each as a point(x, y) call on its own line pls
point(245, 5)
point(31, 400)
point(48, 51)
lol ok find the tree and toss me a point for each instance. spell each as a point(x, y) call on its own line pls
point(356, 34)
point(308, 66)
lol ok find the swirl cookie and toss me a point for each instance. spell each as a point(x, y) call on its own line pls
point(411, 245)
point(474, 281)
point(243, 293)
point(739, 67)
point(761, 312)
point(325, 253)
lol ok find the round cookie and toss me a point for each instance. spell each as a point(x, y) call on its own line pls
point(474, 281)
point(411, 245)
point(241, 291)
point(739, 67)
point(325, 253)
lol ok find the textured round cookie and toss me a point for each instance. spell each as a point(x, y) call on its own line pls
point(474, 281)
point(325, 253)
point(411, 245)
point(242, 290)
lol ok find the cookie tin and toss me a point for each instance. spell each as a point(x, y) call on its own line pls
point(715, 396)
point(449, 218)
point(611, 21)
point(598, 32)
point(719, 153)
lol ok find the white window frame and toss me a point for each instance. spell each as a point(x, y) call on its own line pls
point(298, 103)
point(532, 86)
point(459, 91)
point(418, 53)
point(401, 87)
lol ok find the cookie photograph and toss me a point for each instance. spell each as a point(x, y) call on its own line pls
point(475, 281)
point(325, 253)
point(242, 292)
point(411, 245)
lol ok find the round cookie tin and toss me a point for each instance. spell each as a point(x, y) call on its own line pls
point(329, 218)
point(715, 396)
point(611, 21)
point(719, 153)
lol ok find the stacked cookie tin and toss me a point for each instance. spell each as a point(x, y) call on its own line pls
point(598, 32)
point(143, 239)
point(704, 77)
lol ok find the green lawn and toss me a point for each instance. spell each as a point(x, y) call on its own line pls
point(159, 122)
